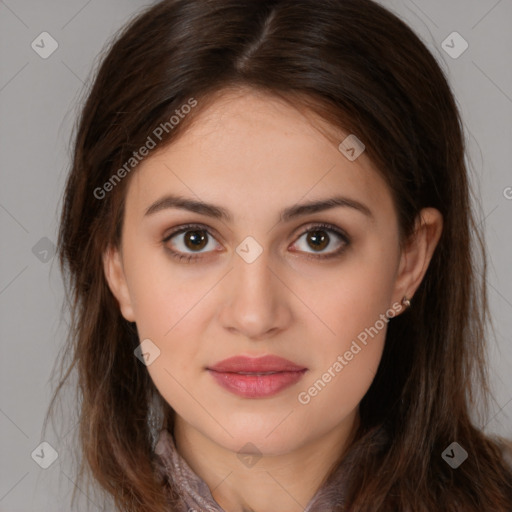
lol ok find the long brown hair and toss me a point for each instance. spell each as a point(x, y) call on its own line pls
point(361, 69)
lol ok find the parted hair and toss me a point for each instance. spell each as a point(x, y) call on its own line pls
point(363, 70)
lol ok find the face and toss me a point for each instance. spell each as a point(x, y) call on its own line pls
point(260, 273)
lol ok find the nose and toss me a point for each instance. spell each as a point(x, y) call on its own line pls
point(256, 299)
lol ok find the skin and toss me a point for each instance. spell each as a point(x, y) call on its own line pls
point(254, 155)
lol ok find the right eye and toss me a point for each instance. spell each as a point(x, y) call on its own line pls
point(194, 237)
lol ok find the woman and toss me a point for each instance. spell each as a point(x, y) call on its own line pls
point(267, 231)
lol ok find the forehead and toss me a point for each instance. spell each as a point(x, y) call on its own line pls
point(250, 150)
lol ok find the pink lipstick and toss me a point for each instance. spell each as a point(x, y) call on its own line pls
point(259, 377)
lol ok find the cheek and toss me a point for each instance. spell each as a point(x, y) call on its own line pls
point(350, 296)
point(333, 394)
point(170, 307)
point(346, 369)
point(163, 293)
point(352, 303)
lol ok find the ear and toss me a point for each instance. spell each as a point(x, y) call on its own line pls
point(114, 274)
point(417, 253)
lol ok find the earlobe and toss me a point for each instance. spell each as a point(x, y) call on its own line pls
point(116, 280)
point(418, 253)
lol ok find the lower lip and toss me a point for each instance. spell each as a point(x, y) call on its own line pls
point(256, 386)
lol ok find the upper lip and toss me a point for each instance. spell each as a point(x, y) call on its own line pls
point(269, 363)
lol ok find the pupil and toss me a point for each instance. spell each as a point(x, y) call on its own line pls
point(195, 239)
point(319, 239)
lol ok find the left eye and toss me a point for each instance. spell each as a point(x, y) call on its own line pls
point(198, 238)
point(318, 238)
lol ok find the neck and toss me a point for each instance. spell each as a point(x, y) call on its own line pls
point(278, 482)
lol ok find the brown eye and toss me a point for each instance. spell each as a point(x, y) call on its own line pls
point(195, 239)
point(318, 240)
point(321, 237)
point(189, 242)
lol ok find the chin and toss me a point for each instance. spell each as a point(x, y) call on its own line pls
point(262, 439)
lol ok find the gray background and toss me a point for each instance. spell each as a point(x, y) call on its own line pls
point(39, 100)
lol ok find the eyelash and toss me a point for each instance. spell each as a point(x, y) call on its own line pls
point(200, 227)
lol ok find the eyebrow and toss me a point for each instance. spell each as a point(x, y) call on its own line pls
point(220, 213)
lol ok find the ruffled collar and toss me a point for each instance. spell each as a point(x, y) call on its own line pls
point(194, 493)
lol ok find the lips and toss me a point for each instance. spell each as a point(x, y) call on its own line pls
point(264, 364)
point(260, 377)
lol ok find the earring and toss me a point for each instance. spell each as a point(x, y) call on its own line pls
point(406, 302)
